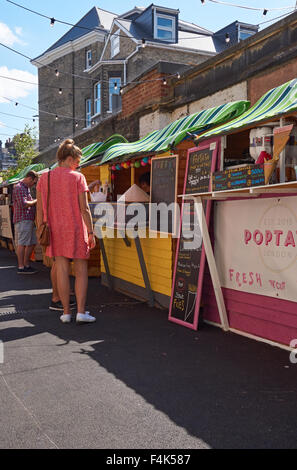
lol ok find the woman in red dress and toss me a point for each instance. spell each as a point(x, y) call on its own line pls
point(71, 227)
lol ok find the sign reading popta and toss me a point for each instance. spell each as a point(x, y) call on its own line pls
point(261, 255)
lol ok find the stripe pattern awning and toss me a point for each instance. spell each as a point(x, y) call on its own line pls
point(96, 149)
point(276, 102)
point(21, 174)
point(174, 133)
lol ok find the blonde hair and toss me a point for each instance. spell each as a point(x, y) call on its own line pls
point(68, 149)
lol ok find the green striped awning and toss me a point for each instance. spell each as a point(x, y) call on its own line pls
point(173, 134)
point(21, 174)
point(94, 150)
point(276, 102)
point(98, 148)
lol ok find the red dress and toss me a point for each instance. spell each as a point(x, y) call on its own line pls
point(69, 235)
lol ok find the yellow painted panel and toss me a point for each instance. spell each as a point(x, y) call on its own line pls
point(104, 174)
point(124, 263)
point(158, 284)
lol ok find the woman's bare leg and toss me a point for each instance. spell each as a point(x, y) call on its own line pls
point(81, 283)
point(62, 267)
point(55, 294)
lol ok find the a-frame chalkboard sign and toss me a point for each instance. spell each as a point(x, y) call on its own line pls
point(190, 257)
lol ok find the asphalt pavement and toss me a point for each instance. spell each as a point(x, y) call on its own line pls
point(133, 380)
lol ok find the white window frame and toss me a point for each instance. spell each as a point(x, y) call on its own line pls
point(110, 94)
point(165, 28)
point(88, 59)
point(88, 112)
point(245, 31)
point(97, 99)
point(115, 43)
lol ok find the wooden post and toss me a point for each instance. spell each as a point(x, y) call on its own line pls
point(132, 175)
point(211, 263)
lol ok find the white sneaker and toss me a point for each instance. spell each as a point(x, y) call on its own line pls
point(85, 318)
point(65, 318)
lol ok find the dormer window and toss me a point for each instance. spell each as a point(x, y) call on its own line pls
point(244, 34)
point(164, 27)
point(115, 43)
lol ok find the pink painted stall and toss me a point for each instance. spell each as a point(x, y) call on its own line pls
point(250, 281)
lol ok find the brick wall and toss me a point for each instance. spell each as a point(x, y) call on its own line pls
point(72, 101)
point(149, 56)
point(145, 94)
point(258, 86)
point(127, 46)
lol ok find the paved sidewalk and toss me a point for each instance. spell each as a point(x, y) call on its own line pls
point(133, 380)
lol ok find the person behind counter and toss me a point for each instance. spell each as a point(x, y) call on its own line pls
point(23, 218)
point(71, 227)
point(145, 181)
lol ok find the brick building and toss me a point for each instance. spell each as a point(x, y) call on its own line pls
point(81, 75)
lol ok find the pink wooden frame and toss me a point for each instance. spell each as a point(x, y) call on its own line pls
point(203, 146)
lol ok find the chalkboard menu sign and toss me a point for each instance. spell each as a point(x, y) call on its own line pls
point(187, 267)
point(163, 190)
point(199, 169)
point(241, 177)
point(190, 253)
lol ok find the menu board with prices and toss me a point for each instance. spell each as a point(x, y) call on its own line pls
point(241, 177)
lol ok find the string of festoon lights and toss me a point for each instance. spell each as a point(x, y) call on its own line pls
point(144, 40)
point(246, 7)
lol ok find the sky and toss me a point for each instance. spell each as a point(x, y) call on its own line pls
point(31, 35)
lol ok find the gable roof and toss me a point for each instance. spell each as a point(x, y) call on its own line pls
point(95, 19)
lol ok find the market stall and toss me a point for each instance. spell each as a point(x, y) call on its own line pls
point(250, 245)
point(143, 267)
point(6, 211)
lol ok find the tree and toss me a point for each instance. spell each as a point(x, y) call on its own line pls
point(24, 144)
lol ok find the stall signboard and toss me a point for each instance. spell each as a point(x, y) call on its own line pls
point(163, 191)
point(190, 254)
point(241, 177)
point(5, 222)
point(198, 171)
point(258, 253)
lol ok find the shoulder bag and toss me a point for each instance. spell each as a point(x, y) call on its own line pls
point(43, 231)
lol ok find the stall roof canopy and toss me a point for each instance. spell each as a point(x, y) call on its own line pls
point(276, 102)
point(21, 174)
point(94, 150)
point(173, 134)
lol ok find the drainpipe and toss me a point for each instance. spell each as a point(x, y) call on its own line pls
point(126, 60)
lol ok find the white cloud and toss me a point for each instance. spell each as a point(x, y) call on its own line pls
point(8, 37)
point(18, 30)
point(15, 90)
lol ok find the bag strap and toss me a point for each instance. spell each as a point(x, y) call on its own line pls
point(48, 195)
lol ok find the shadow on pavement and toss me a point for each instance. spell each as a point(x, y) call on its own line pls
point(229, 391)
